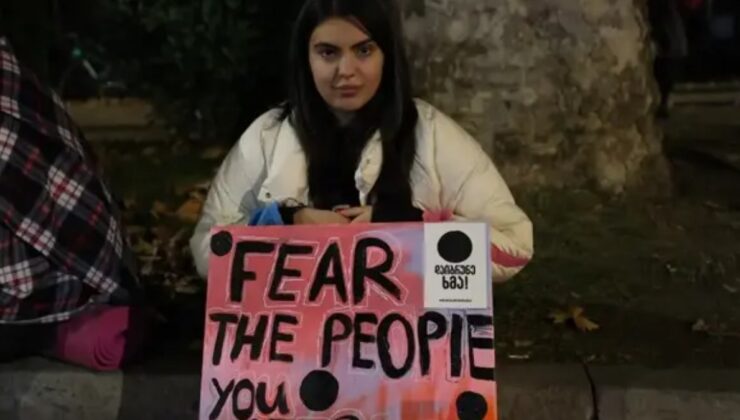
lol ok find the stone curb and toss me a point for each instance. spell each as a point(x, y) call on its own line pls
point(644, 394)
point(38, 389)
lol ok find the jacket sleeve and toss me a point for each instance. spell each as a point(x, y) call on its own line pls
point(473, 189)
point(233, 193)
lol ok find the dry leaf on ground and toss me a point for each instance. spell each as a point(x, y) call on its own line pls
point(189, 211)
point(144, 248)
point(574, 314)
point(713, 329)
point(559, 316)
point(700, 326)
point(582, 323)
point(188, 286)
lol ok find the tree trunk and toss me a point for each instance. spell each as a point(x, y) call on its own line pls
point(560, 92)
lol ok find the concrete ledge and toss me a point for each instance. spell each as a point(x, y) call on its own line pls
point(125, 119)
point(38, 389)
point(642, 394)
point(532, 392)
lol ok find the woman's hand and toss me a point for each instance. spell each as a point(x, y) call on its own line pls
point(310, 216)
point(358, 214)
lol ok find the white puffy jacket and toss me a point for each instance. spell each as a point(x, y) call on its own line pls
point(451, 172)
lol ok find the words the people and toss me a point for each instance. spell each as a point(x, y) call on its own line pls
point(265, 336)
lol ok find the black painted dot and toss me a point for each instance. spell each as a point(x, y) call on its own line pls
point(221, 243)
point(319, 390)
point(455, 247)
point(471, 406)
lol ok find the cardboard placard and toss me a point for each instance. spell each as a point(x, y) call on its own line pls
point(335, 323)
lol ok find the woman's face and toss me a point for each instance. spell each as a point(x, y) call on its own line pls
point(347, 65)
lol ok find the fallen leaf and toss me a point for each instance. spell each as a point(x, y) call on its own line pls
point(714, 330)
point(146, 248)
point(700, 326)
point(559, 317)
point(147, 268)
point(187, 289)
point(211, 153)
point(582, 322)
point(190, 210)
point(575, 314)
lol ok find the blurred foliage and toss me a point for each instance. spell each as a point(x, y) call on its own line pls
point(29, 26)
point(210, 66)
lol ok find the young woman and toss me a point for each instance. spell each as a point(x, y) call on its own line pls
point(351, 145)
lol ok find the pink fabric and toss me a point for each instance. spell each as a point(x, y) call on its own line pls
point(437, 216)
point(103, 338)
point(505, 259)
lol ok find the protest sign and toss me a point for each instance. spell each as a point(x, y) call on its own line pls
point(362, 322)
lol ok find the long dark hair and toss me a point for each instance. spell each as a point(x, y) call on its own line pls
point(392, 109)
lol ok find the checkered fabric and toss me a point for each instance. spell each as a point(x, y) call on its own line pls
point(61, 240)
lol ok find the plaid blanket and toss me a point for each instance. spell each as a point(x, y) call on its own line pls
point(61, 241)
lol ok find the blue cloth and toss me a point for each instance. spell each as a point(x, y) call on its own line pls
point(267, 216)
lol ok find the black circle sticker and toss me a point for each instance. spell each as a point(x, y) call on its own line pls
point(221, 243)
point(455, 247)
point(471, 406)
point(319, 390)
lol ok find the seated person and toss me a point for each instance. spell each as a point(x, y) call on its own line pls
point(351, 145)
point(65, 267)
